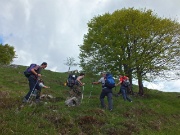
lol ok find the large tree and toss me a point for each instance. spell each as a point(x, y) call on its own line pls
point(131, 42)
point(7, 54)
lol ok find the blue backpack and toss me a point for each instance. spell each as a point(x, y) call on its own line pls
point(109, 82)
point(27, 72)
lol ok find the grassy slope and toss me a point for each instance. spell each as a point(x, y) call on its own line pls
point(155, 113)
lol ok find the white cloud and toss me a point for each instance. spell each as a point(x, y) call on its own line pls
point(51, 30)
point(164, 85)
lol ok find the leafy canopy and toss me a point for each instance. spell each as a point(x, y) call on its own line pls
point(130, 41)
point(7, 54)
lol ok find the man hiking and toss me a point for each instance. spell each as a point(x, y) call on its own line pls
point(123, 87)
point(105, 92)
point(34, 82)
point(101, 80)
point(76, 89)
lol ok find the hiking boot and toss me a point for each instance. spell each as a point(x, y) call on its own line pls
point(25, 100)
point(110, 110)
point(34, 95)
point(38, 101)
point(118, 94)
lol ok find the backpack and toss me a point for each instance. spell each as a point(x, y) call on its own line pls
point(27, 72)
point(126, 82)
point(109, 82)
point(71, 81)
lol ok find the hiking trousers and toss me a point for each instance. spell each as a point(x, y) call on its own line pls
point(106, 92)
point(76, 91)
point(33, 84)
point(124, 94)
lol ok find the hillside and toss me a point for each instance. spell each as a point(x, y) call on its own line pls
point(156, 113)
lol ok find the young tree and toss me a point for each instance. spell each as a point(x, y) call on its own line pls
point(7, 54)
point(70, 62)
point(132, 42)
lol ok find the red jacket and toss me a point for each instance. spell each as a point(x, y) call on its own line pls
point(121, 79)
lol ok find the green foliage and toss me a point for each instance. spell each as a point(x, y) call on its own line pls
point(155, 113)
point(7, 54)
point(132, 42)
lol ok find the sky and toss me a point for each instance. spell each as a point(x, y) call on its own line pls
point(51, 30)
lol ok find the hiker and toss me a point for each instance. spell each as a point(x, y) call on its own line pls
point(76, 89)
point(106, 91)
point(41, 84)
point(101, 80)
point(123, 87)
point(33, 82)
point(71, 80)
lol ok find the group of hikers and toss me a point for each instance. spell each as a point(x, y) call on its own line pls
point(107, 91)
point(33, 73)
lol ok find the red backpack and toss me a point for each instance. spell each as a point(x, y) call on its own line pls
point(125, 81)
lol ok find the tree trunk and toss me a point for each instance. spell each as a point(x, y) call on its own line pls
point(140, 84)
point(128, 73)
point(141, 89)
point(131, 86)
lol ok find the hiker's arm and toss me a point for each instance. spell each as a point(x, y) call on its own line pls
point(34, 72)
point(46, 87)
point(79, 80)
point(43, 86)
point(96, 82)
point(119, 83)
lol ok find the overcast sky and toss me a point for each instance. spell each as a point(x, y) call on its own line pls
point(51, 30)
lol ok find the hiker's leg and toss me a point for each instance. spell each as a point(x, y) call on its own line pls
point(71, 92)
point(123, 91)
point(74, 91)
point(32, 85)
point(127, 97)
point(78, 94)
point(102, 99)
point(38, 92)
point(110, 101)
point(119, 93)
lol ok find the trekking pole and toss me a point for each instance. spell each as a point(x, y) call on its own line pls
point(91, 91)
point(82, 94)
point(32, 90)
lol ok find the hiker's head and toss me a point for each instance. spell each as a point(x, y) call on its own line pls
point(41, 81)
point(44, 65)
point(103, 74)
point(81, 74)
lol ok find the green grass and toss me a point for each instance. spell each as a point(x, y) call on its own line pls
point(156, 113)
